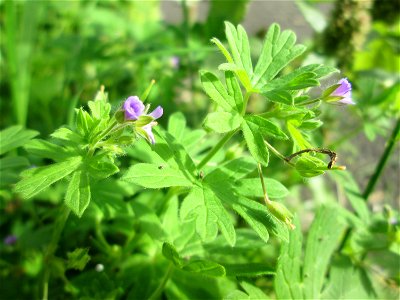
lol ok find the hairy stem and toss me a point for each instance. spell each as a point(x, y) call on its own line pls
point(277, 153)
point(382, 162)
point(266, 199)
point(52, 247)
point(216, 148)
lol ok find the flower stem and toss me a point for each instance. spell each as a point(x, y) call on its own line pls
point(245, 102)
point(382, 162)
point(266, 199)
point(309, 102)
point(277, 153)
point(52, 247)
point(216, 148)
point(156, 294)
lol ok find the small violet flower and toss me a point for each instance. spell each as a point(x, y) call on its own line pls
point(10, 239)
point(174, 62)
point(134, 108)
point(343, 90)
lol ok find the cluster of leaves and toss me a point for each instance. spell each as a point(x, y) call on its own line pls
point(73, 151)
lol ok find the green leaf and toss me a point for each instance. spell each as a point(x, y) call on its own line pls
point(13, 162)
point(100, 109)
point(240, 48)
point(241, 74)
point(206, 208)
point(309, 166)
point(353, 194)
point(170, 253)
point(194, 206)
point(265, 127)
point(205, 267)
point(251, 187)
point(233, 88)
point(313, 15)
point(155, 176)
point(84, 122)
point(231, 171)
point(297, 137)
point(311, 125)
point(78, 259)
point(222, 122)
point(14, 137)
point(347, 282)
point(45, 149)
point(177, 125)
point(254, 217)
point(216, 91)
point(248, 270)
point(323, 238)
point(278, 50)
point(279, 96)
point(222, 48)
point(101, 169)
point(66, 134)
point(255, 142)
point(149, 221)
point(288, 281)
point(78, 195)
point(253, 291)
point(263, 217)
point(38, 179)
point(143, 121)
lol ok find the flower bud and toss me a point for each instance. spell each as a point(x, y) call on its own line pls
point(339, 93)
point(279, 211)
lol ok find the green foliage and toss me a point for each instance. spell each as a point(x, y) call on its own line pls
point(191, 216)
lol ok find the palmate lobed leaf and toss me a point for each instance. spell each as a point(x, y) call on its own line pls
point(279, 49)
point(203, 205)
point(239, 46)
point(216, 91)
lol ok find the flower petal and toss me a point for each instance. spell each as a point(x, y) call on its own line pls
point(150, 134)
point(133, 108)
point(158, 112)
point(343, 89)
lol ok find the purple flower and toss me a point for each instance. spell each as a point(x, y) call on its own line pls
point(157, 113)
point(343, 90)
point(174, 62)
point(133, 108)
point(10, 239)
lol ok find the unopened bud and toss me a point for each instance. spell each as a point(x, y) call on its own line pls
point(279, 211)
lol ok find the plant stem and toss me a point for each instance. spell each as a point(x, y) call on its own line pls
point(277, 153)
point(382, 162)
point(216, 148)
point(266, 199)
point(162, 284)
point(52, 247)
point(245, 102)
point(309, 102)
